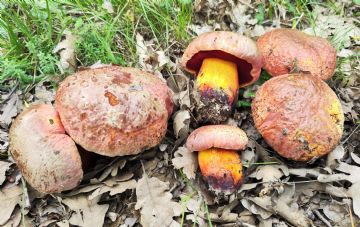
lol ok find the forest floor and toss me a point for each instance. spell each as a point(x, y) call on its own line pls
point(42, 42)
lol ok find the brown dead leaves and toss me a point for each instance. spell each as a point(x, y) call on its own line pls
point(154, 202)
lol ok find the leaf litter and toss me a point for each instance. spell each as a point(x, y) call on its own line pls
point(169, 192)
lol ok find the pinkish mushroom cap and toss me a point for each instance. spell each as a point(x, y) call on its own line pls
point(114, 111)
point(46, 156)
point(228, 46)
point(217, 136)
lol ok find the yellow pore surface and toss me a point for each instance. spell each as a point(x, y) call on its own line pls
point(216, 74)
point(220, 163)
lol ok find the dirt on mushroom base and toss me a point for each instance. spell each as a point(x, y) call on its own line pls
point(330, 204)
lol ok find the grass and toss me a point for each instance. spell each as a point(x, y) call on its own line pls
point(29, 31)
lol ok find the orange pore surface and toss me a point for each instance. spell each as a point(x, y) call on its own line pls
point(216, 73)
point(221, 168)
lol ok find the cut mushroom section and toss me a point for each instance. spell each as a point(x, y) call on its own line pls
point(223, 62)
point(114, 111)
point(288, 50)
point(45, 155)
point(219, 161)
point(299, 116)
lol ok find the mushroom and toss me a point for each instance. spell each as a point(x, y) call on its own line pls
point(288, 50)
point(299, 116)
point(46, 156)
point(223, 62)
point(219, 161)
point(114, 111)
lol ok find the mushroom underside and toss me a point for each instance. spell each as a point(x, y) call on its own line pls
point(244, 68)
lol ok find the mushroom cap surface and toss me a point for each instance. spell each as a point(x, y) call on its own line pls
point(217, 136)
point(299, 116)
point(284, 50)
point(228, 46)
point(46, 156)
point(114, 111)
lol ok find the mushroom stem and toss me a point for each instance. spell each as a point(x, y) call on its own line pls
point(217, 84)
point(221, 168)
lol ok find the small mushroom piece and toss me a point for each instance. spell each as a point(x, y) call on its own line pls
point(114, 111)
point(299, 116)
point(223, 62)
point(46, 156)
point(219, 161)
point(287, 50)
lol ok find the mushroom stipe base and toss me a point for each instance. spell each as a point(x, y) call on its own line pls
point(212, 106)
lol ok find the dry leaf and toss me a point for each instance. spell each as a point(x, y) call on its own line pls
point(352, 174)
point(44, 95)
point(9, 110)
point(14, 219)
point(154, 200)
point(283, 205)
point(9, 198)
point(66, 49)
point(270, 173)
point(354, 192)
point(181, 123)
point(185, 160)
point(87, 213)
point(108, 6)
point(117, 188)
point(4, 166)
point(334, 156)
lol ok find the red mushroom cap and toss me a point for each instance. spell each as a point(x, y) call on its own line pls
point(114, 111)
point(217, 136)
point(228, 46)
point(284, 50)
point(299, 116)
point(46, 156)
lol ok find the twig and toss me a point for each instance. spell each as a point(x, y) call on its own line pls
point(10, 93)
point(350, 135)
point(322, 218)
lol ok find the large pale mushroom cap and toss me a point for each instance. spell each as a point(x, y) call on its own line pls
point(285, 50)
point(45, 155)
point(227, 46)
point(299, 116)
point(114, 111)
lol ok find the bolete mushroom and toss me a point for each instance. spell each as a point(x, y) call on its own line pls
point(219, 161)
point(114, 111)
point(223, 62)
point(299, 116)
point(288, 50)
point(46, 156)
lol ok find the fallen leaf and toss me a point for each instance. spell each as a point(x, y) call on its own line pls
point(4, 166)
point(154, 200)
point(9, 198)
point(85, 212)
point(354, 192)
point(350, 173)
point(284, 205)
point(181, 123)
point(14, 219)
point(268, 173)
point(334, 156)
point(185, 160)
point(108, 6)
point(9, 110)
point(44, 95)
point(117, 188)
point(66, 49)
point(4, 138)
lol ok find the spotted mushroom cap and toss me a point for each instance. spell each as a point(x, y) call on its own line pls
point(299, 116)
point(287, 50)
point(225, 45)
point(47, 157)
point(114, 111)
point(217, 136)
